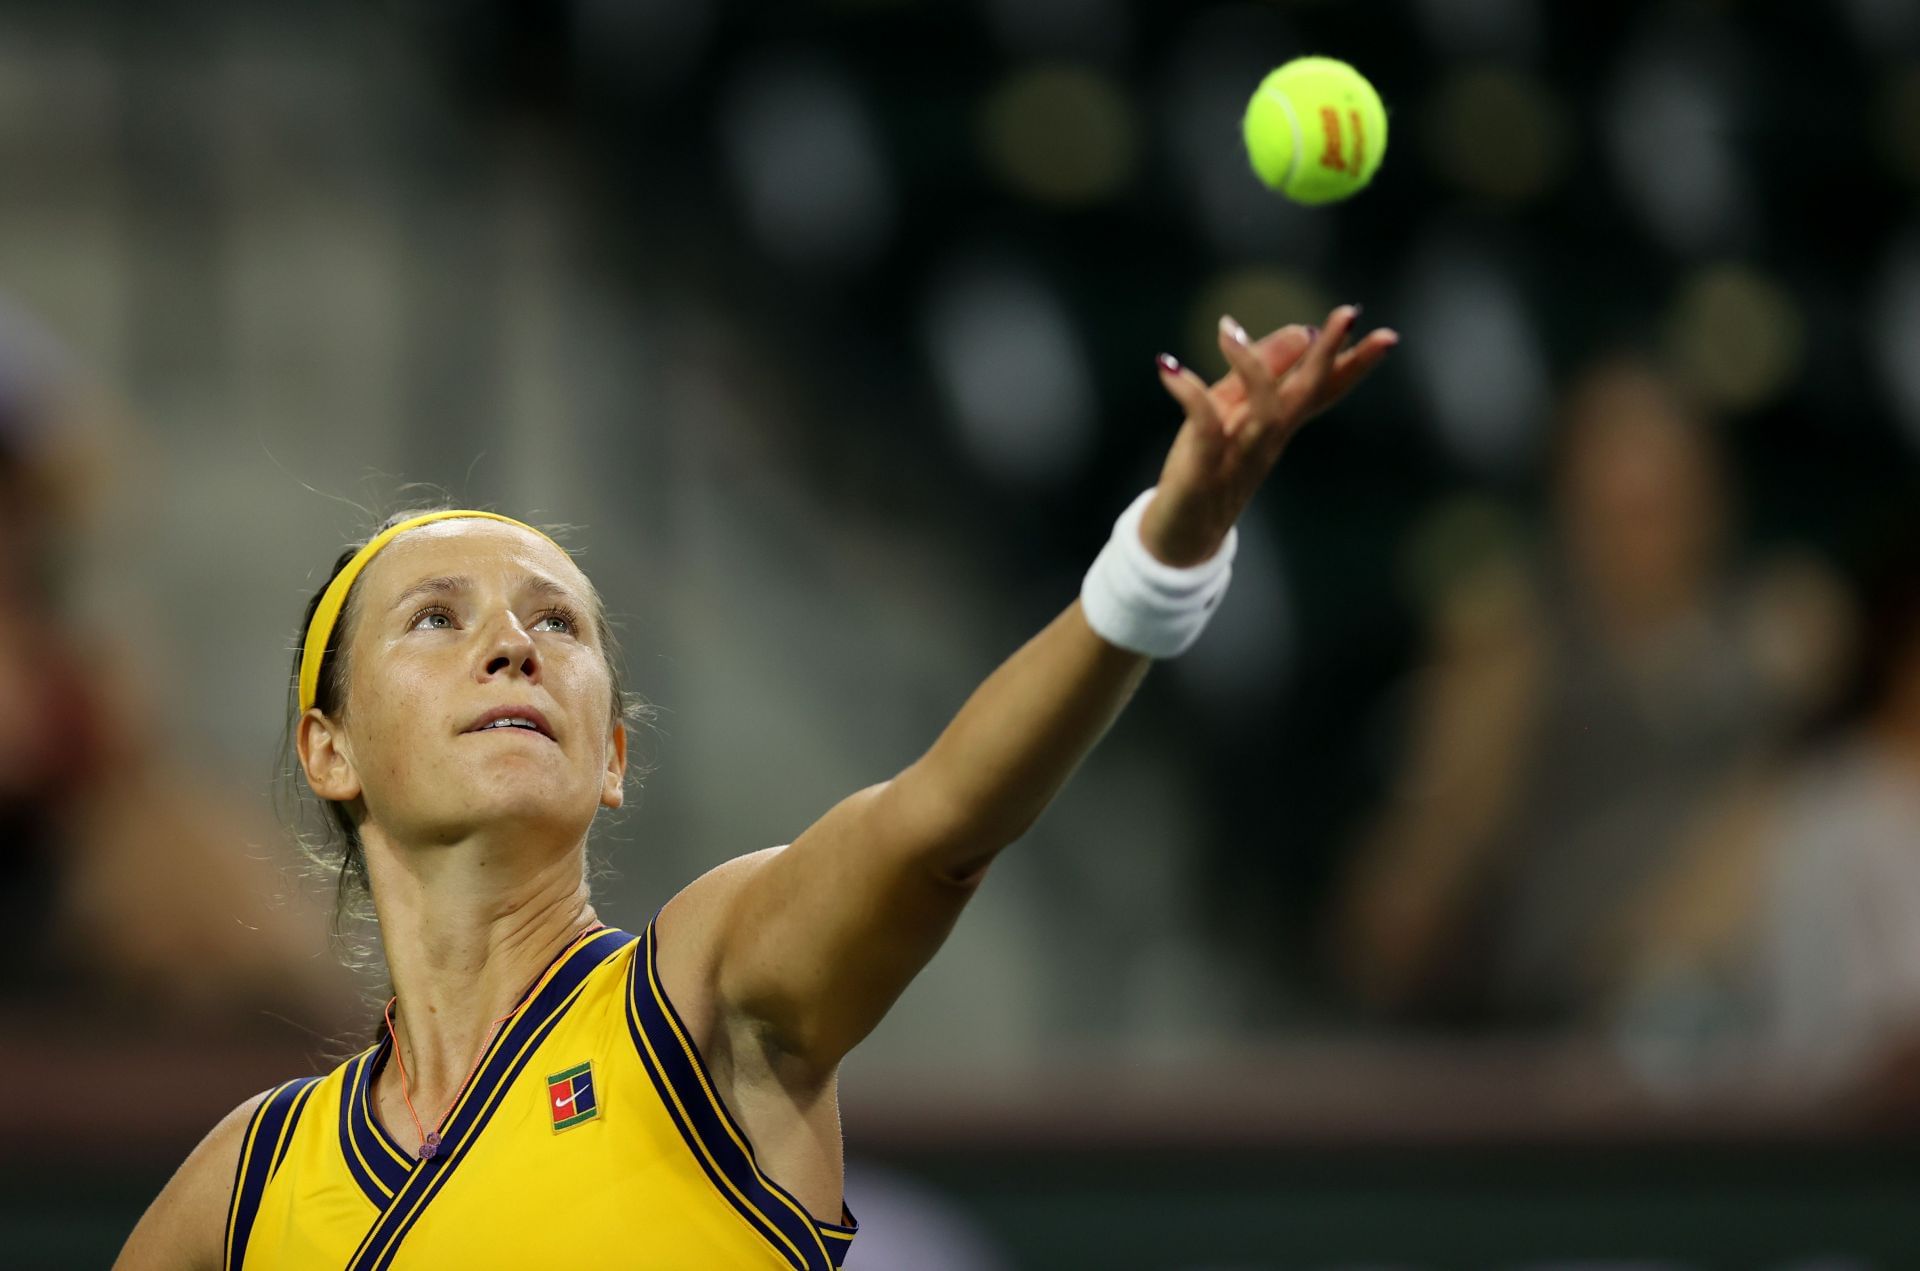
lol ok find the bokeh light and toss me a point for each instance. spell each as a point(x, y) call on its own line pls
point(806, 162)
point(1670, 131)
point(1012, 369)
point(1461, 537)
point(652, 44)
point(1059, 135)
point(1094, 29)
point(1883, 25)
point(1897, 123)
point(1509, 29)
point(1735, 335)
point(1896, 333)
point(1478, 357)
point(1497, 133)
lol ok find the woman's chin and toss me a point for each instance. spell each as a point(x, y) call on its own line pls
point(524, 797)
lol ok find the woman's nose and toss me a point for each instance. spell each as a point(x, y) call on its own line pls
point(509, 645)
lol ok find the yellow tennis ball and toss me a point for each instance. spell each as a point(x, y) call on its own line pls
point(1315, 130)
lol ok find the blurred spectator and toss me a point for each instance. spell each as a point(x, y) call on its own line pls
point(126, 877)
point(1575, 714)
point(1787, 945)
point(48, 741)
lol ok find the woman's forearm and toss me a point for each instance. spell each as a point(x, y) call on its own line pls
point(1017, 739)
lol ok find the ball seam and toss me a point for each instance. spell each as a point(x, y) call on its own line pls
point(1293, 122)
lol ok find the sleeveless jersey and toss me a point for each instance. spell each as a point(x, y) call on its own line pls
point(590, 1135)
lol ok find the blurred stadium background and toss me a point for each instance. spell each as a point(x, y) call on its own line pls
point(1523, 872)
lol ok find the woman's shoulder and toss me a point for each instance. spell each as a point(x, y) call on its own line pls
point(686, 934)
point(689, 921)
point(186, 1224)
point(189, 1220)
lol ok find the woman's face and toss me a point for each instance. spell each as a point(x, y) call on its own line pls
point(1640, 498)
point(451, 621)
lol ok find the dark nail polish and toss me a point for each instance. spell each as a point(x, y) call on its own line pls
point(1313, 333)
point(1168, 363)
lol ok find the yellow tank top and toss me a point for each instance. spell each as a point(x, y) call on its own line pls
point(590, 1135)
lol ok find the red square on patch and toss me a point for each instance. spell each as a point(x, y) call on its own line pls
point(570, 1096)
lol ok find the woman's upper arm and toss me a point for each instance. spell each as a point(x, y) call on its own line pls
point(814, 941)
point(185, 1227)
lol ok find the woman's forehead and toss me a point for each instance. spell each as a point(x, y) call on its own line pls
point(468, 548)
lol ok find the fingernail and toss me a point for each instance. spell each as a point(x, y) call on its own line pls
point(1235, 332)
point(1356, 311)
point(1168, 363)
point(1313, 333)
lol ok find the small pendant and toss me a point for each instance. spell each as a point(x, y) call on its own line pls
point(430, 1148)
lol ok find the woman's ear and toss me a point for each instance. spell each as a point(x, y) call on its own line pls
point(326, 757)
point(613, 791)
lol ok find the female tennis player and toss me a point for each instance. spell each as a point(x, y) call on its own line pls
point(551, 1091)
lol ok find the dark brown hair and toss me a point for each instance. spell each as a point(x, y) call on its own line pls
point(330, 840)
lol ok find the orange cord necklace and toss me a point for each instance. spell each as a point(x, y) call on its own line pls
point(430, 1141)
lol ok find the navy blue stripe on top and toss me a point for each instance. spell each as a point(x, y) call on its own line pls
point(379, 1171)
point(716, 1140)
point(286, 1140)
point(783, 1243)
point(372, 1130)
point(839, 1238)
point(260, 1151)
point(230, 1258)
point(534, 1020)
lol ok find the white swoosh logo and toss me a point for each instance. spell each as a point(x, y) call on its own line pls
point(566, 1102)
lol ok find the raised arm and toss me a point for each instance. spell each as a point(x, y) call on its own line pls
point(817, 940)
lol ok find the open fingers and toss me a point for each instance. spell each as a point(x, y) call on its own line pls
point(1249, 366)
point(1191, 392)
point(1323, 373)
point(1330, 369)
point(1277, 350)
point(1282, 348)
point(1289, 375)
point(1311, 372)
point(1356, 363)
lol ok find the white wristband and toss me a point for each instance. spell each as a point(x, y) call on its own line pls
point(1146, 605)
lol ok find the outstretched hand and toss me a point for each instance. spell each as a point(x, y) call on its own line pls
point(1235, 430)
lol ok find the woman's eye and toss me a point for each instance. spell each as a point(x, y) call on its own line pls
point(426, 615)
point(565, 619)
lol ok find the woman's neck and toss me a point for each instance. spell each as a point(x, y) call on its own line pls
point(461, 953)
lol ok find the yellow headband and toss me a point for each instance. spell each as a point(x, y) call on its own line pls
point(335, 597)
